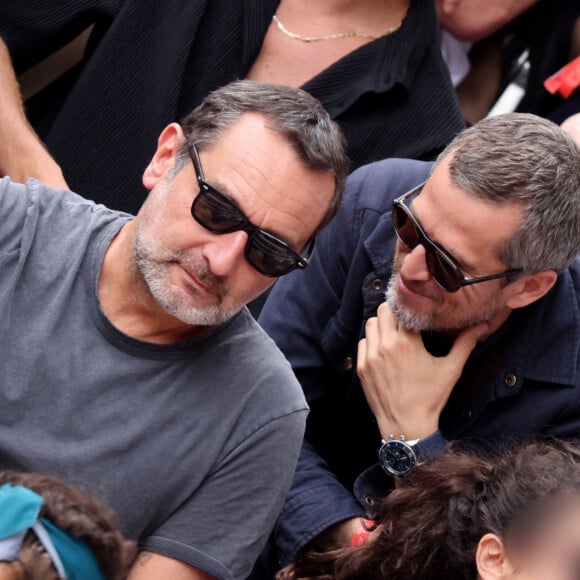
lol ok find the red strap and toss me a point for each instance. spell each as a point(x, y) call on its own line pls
point(566, 80)
point(361, 536)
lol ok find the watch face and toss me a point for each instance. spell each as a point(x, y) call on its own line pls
point(397, 458)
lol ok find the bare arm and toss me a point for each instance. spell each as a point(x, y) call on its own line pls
point(149, 565)
point(339, 535)
point(572, 126)
point(22, 154)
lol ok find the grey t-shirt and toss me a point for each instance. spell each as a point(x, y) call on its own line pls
point(192, 444)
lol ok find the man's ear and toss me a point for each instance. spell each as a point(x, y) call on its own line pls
point(164, 157)
point(529, 288)
point(491, 559)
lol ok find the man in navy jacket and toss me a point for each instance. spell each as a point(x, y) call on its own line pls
point(478, 338)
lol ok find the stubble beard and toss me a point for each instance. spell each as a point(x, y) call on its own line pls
point(422, 322)
point(152, 265)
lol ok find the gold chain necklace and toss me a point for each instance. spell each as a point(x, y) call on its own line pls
point(295, 36)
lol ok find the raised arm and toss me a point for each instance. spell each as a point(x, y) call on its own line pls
point(22, 153)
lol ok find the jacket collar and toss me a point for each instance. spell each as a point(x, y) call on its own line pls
point(545, 341)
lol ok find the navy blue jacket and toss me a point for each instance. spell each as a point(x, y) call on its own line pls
point(522, 381)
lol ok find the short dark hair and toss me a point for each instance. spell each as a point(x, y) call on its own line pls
point(295, 114)
point(519, 157)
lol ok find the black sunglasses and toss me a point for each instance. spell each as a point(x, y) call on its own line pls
point(267, 253)
point(444, 269)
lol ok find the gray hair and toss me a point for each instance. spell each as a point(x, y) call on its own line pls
point(519, 157)
point(296, 115)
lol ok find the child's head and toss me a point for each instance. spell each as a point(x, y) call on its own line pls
point(46, 525)
point(532, 515)
point(463, 517)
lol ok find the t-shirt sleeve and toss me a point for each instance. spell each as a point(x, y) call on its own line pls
point(15, 205)
point(224, 525)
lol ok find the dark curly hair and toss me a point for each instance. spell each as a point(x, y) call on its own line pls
point(431, 527)
point(81, 517)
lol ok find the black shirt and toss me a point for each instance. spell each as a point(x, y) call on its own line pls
point(150, 63)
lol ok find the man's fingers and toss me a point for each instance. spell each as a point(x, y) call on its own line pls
point(388, 325)
point(386, 319)
point(371, 335)
point(362, 353)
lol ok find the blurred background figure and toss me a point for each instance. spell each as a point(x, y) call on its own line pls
point(375, 65)
point(49, 530)
point(572, 125)
point(508, 48)
point(461, 517)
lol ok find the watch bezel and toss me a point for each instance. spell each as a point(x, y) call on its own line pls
point(386, 461)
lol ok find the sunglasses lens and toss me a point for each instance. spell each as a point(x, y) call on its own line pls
point(269, 256)
point(215, 212)
point(218, 214)
point(405, 228)
point(442, 271)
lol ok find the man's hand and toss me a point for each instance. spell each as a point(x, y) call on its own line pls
point(405, 386)
point(341, 534)
point(338, 535)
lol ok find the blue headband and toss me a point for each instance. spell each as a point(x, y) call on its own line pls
point(19, 512)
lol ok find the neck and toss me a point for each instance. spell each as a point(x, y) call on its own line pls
point(126, 300)
point(439, 342)
point(362, 13)
point(333, 7)
point(497, 322)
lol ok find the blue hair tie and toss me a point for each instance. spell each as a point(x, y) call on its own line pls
point(19, 512)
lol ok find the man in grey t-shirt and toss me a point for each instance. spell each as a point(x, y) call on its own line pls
point(130, 366)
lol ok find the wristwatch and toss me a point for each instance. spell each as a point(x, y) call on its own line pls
point(398, 456)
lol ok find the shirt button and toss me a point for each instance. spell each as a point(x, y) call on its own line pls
point(467, 414)
point(377, 284)
point(510, 380)
point(347, 363)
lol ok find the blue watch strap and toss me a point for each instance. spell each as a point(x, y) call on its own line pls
point(426, 449)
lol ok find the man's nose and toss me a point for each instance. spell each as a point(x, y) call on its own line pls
point(414, 265)
point(225, 252)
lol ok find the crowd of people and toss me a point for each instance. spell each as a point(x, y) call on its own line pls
point(401, 179)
